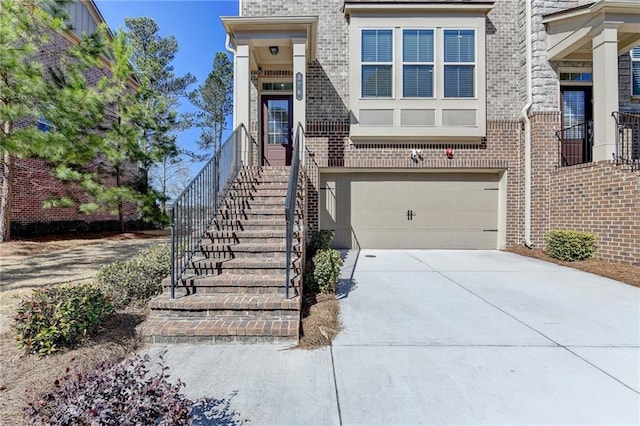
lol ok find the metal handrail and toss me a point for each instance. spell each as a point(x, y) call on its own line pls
point(627, 139)
point(579, 153)
point(290, 203)
point(194, 210)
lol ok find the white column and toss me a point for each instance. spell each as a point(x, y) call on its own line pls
point(605, 91)
point(299, 87)
point(241, 109)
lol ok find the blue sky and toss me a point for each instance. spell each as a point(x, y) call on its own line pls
point(195, 24)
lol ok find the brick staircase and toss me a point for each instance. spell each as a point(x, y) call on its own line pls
point(235, 289)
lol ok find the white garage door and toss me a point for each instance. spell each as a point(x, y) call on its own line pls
point(411, 210)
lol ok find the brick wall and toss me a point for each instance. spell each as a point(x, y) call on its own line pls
point(601, 198)
point(544, 158)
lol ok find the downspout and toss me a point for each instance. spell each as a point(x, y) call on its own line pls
point(527, 131)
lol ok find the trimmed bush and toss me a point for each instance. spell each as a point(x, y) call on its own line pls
point(60, 316)
point(320, 240)
point(326, 270)
point(135, 281)
point(570, 245)
point(113, 394)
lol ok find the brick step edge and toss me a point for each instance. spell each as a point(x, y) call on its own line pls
point(227, 302)
point(221, 330)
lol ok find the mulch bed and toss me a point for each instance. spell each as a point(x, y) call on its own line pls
point(623, 272)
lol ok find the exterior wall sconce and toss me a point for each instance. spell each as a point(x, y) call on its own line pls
point(449, 153)
point(274, 50)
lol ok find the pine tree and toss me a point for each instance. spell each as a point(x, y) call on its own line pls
point(214, 99)
point(25, 26)
point(159, 95)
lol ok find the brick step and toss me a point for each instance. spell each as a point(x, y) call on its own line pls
point(266, 306)
point(254, 224)
point(249, 235)
point(229, 283)
point(247, 265)
point(260, 249)
point(252, 193)
point(218, 330)
point(258, 186)
point(263, 177)
point(254, 203)
point(260, 211)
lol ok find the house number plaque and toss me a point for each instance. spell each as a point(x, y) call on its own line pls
point(299, 86)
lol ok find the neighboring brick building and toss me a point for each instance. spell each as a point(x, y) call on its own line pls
point(383, 88)
point(32, 182)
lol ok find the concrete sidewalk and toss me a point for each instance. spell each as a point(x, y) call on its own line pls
point(441, 337)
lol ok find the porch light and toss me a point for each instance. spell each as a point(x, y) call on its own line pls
point(274, 50)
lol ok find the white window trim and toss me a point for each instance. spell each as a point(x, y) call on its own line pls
point(434, 68)
point(474, 63)
point(392, 63)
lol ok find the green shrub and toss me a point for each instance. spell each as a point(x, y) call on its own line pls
point(60, 316)
point(326, 270)
point(570, 245)
point(320, 240)
point(135, 281)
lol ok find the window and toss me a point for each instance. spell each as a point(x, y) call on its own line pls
point(45, 125)
point(635, 71)
point(377, 63)
point(417, 68)
point(459, 63)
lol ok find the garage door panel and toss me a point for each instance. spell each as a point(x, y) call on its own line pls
point(450, 210)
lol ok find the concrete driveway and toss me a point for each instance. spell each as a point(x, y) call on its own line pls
point(442, 337)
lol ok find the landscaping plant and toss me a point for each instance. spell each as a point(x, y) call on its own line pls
point(326, 270)
point(570, 245)
point(127, 393)
point(320, 240)
point(133, 282)
point(60, 316)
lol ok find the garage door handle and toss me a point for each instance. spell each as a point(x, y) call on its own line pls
point(489, 230)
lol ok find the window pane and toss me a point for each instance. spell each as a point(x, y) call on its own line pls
point(458, 81)
point(417, 45)
point(459, 46)
point(635, 53)
point(417, 81)
point(636, 78)
point(377, 46)
point(376, 81)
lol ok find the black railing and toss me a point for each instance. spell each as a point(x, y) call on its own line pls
point(627, 139)
point(290, 203)
point(193, 211)
point(575, 144)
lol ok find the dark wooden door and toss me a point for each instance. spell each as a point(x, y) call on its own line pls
point(577, 116)
point(277, 121)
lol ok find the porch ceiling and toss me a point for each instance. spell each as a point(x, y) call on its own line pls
point(261, 33)
point(570, 32)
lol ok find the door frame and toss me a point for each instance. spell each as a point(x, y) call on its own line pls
point(264, 98)
point(578, 149)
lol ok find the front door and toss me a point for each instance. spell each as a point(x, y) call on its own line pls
point(577, 124)
point(277, 121)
